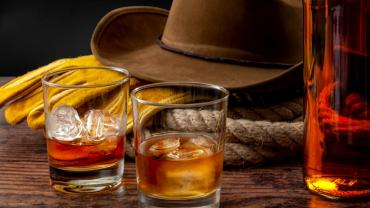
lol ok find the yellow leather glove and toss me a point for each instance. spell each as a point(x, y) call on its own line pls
point(29, 103)
point(27, 83)
point(26, 97)
point(20, 109)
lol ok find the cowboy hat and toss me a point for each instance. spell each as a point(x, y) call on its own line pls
point(237, 44)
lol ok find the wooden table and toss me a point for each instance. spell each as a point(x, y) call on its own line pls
point(24, 181)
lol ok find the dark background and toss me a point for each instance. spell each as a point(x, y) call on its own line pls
point(36, 32)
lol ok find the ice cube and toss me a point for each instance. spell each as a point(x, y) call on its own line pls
point(100, 124)
point(194, 181)
point(94, 123)
point(202, 141)
point(164, 146)
point(112, 125)
point(64, 124)
point(193, 148)
point(186, 154)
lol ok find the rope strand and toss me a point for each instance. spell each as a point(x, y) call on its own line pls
point(254, 135)
point(248, 143)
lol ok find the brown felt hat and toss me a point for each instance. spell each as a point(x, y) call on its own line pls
point(237, 44)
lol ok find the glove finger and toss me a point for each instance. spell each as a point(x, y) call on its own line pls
point(24, 84)
point(74, 97)
point(18, 110)
point(27, 83)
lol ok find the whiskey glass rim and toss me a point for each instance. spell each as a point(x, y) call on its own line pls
point(208, 86)
point(46, 76)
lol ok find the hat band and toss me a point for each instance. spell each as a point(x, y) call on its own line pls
point(222, 59)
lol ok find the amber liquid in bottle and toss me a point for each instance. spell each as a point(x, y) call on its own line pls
point(337, 107)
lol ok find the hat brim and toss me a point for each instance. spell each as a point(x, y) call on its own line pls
point(126, 37)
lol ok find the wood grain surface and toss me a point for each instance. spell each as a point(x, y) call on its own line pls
point(24, 181)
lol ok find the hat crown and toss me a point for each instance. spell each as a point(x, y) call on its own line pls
point(238, 30)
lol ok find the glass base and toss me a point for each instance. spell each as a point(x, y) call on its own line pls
point(210, 201)
point(339, 188)
point(87, 181)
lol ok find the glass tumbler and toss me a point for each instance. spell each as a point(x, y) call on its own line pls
point(179, 131)
point(85, 112)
